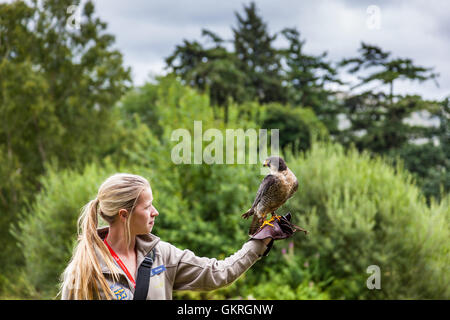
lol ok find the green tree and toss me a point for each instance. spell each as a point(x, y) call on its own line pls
point(387, 70)
point(211, 69)
point(261, 62)
point(58, 85)
point(299, 127)
point(430, 161)
point(377, 118)
point(381, 121)
point(307, 77)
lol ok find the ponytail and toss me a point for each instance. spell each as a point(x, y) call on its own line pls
point(83, 275)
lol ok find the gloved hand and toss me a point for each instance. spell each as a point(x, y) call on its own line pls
point(282, 229)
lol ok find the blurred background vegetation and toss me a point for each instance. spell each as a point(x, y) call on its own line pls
point(372, 191)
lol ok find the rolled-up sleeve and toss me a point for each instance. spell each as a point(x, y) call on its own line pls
point(200, 273)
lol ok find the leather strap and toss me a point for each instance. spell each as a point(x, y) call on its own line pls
point(143, 277)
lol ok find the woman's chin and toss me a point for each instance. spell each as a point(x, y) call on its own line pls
point(147, 230)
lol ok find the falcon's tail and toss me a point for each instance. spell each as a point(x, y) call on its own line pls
point(256, 223)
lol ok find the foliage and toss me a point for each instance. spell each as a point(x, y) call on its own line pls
point(214, 70)
point(387, 70)
point(382, 122)
point(388, 130)
point(307, 77)
point(58, 86)
point(255, 70)
point(259, 60)
point(48, 227)
point(360, 211)
point(298, 127)
point(377, 119)
point(429, 163)
point(363, 212)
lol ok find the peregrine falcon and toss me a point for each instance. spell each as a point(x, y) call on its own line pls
point(275, 189)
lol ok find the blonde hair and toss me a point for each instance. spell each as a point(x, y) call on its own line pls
point(83, 275)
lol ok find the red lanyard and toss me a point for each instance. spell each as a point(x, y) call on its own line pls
point(120, 263)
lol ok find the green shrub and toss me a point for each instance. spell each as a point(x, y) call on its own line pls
point(363, 212)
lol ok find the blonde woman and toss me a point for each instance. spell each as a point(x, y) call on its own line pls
point(106, 260)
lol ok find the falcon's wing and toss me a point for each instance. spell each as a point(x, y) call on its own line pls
point(265, 185)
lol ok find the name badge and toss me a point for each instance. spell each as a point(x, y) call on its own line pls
point(158, 270)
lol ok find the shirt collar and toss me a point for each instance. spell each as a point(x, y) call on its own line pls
point(144, 244)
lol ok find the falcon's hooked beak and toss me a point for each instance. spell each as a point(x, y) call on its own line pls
point(266, 163)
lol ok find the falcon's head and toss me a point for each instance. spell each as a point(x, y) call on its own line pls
point(275, 164)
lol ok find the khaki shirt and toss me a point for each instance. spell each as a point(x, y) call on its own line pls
point(182, 270)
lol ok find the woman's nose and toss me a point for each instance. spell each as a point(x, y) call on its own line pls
point(154, 212)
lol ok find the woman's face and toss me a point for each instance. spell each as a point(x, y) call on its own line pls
point(143, 217)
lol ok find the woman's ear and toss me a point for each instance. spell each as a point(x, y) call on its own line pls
point(123, 214)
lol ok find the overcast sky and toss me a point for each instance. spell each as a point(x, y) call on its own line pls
point(147, 31)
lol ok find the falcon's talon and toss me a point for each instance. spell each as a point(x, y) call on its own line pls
point(266, 222)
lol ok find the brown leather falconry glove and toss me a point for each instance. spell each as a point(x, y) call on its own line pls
point(282, 229)
point(279, 228)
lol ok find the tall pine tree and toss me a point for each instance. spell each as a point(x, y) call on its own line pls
point(307, 76)
point(378, 117)
point(260, 61)
point(212, 69)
